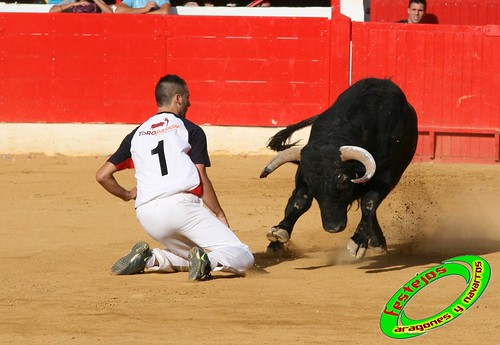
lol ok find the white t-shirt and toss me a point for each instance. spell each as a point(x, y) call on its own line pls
point(163, 157)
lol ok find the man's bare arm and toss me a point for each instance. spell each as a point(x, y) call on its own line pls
point(105, 176)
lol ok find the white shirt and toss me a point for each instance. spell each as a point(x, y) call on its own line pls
point(163, 167)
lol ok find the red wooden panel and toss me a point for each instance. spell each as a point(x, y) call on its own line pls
point(24, 65)
point(104, 68)
point(490, 78)
point(455, 147)
point(252, 65)
point(77, 82)
point(134, 61)
point(458, 147)
point(340, 47)
point(424, 62)
point(388, 10)
point(244, 106)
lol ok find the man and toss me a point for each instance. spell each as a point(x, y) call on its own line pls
point(144, 6)
point(170, 156)
point(416, 11)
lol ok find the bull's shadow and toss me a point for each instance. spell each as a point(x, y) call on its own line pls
point(413, 254)
point(400, 256)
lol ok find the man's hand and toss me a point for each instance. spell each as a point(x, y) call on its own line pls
point(151, 5)
point(131, 194)
point(223, 219)
point(80, 3)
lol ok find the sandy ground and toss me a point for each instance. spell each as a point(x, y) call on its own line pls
point(61, 232)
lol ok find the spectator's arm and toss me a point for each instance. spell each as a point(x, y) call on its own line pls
point(63, 7)
point(164, 9)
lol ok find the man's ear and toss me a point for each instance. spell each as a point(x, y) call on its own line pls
point(178, 99)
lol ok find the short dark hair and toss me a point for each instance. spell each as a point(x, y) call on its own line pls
point(423, 2)
point(167, 87)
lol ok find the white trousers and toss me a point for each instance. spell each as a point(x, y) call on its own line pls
point(180, 222)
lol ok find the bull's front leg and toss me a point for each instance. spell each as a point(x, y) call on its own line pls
point(368, 228)
point(377, 238)
point(299, 202)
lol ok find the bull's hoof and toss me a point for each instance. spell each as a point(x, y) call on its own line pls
point(356, 250)
point(278, 235)
point(275, 249)
point(379, 250)
point(378, 243)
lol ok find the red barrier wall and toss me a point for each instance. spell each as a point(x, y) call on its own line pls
point(251, 71)
point(454, 12)
point(241, 71)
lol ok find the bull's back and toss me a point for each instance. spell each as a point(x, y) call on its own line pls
point(370, 108)
point(374, 114)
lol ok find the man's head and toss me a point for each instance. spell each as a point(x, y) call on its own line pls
point(172, 94)
point(416, 11)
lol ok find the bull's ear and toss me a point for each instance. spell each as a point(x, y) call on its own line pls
point(351, 171)
point(343, 178)
point(357, 171)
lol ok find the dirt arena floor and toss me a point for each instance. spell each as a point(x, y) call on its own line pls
point(61, 232)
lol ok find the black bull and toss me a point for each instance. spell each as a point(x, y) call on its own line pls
point(357, 150)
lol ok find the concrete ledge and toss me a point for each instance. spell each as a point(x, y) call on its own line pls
point(104, 139)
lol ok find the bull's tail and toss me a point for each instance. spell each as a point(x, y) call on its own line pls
point(278, 141)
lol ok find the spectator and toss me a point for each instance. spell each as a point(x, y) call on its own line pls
point(416, 12)
point(144, 6)
point(81, 6)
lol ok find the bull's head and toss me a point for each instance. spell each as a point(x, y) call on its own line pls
point(331, 181)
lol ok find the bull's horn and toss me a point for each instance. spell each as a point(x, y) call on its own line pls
point(359, 154)
point(289, 155)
